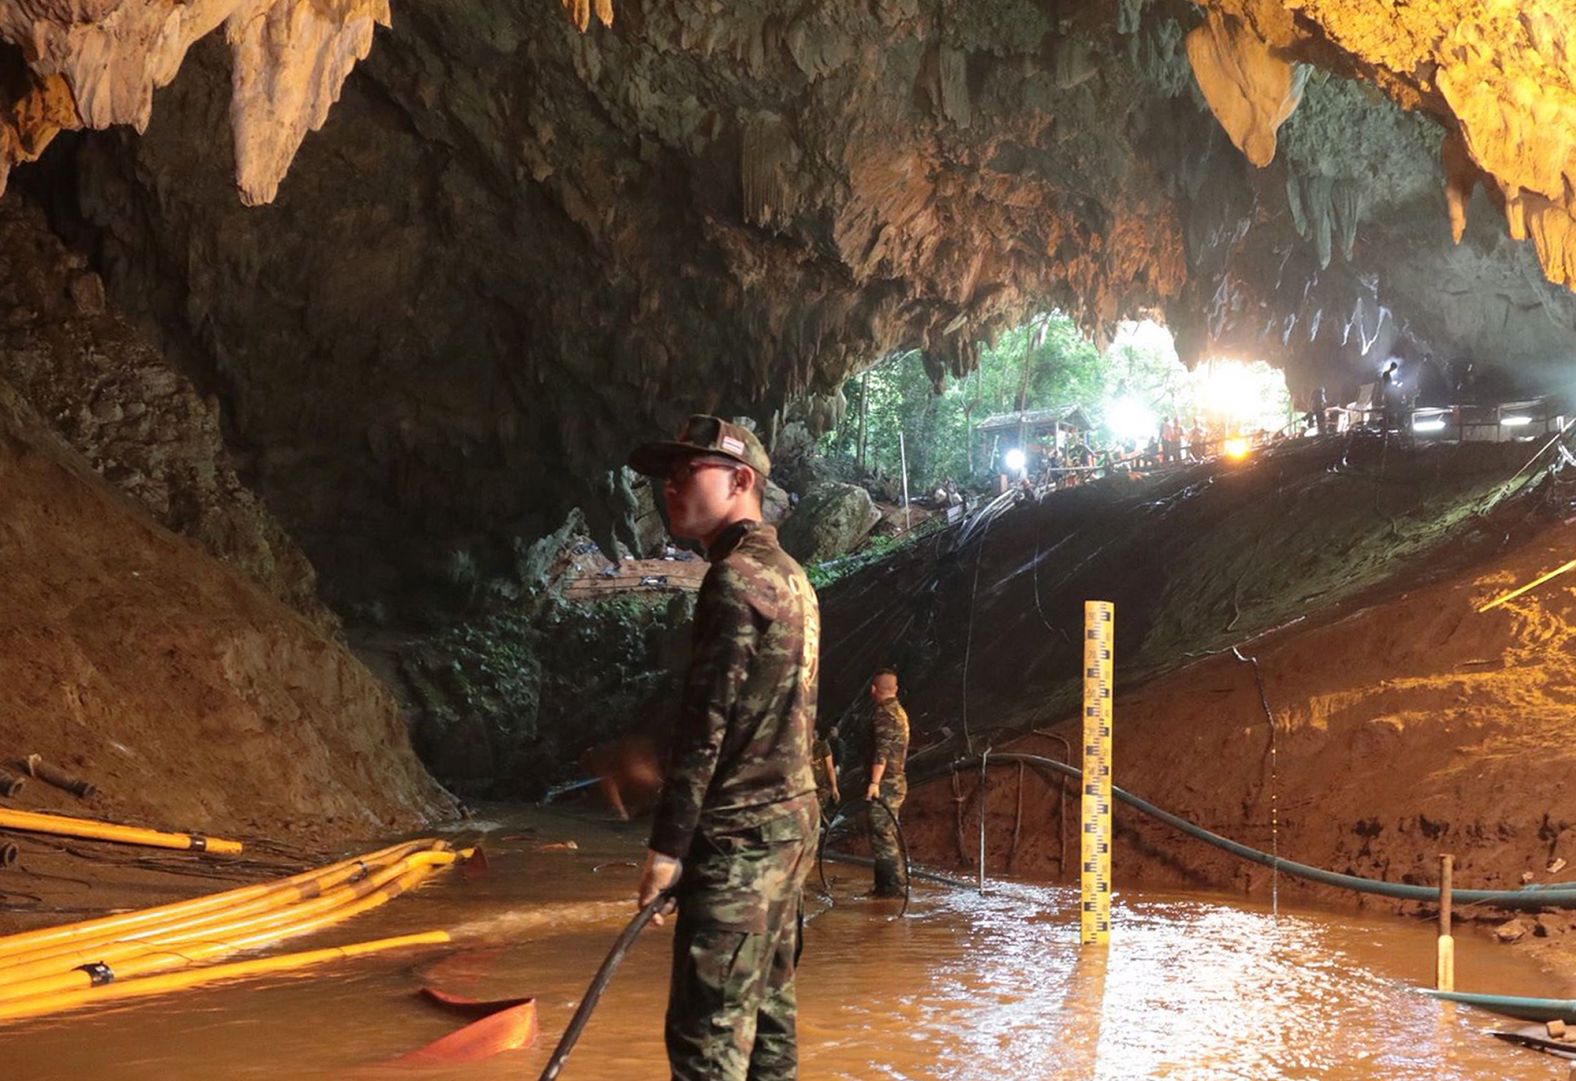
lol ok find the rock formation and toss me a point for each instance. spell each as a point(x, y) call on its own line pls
point(96, 64)
point(515, 247)
point(134, 418)
point(828, 522)
point(191, 698)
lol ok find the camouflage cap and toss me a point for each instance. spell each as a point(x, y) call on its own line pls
point(702, 434)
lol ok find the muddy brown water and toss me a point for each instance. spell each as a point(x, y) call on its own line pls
point(964, 987)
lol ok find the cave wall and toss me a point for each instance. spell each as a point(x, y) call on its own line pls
point(116, 401)
point(516, 247)
point(186, 694)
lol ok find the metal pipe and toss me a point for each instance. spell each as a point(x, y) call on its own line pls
point(59, 777)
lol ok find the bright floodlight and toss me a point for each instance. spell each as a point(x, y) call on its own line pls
point(1428, 424)
point(1516, 421)
point(1236, 447)
point(1129, 419)
point(1016, 461)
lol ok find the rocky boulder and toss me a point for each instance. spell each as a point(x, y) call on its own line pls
point(828, 522)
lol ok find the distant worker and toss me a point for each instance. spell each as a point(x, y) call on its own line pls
point(1391, 394)
point(739, 807)
point(1465, 382)
point(825, 773)
point(1320, 410)
point(1195, 441)
point(1170, 440)
point(888, 783)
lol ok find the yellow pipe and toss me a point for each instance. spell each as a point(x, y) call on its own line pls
point(33, 822)
point(278, 898)
point(207, 927)
point(1535, 583)
point(103, 925)
point(177, 981)
point(158, 956)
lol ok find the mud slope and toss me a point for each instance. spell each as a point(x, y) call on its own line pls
point(984, 624)
point(1406, 723)
point(188, 696)
point(1409, 728)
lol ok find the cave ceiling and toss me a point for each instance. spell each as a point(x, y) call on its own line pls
point(521, 240)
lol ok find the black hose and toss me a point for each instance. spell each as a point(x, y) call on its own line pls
point(902, 846)
point(599, 982)
point(1552, 895)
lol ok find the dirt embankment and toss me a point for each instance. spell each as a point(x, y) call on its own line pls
point(111, 395)
point(1406, 723)
point(190, 697)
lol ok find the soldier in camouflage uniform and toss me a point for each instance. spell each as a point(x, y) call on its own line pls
point(739, 807)
point(888, 783)
point(825, 767)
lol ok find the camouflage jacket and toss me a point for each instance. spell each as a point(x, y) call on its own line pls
point(741, 747)
point(889, 737)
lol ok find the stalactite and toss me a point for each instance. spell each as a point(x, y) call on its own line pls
point(1250, 87)
point(767, 152)
point(580, 12)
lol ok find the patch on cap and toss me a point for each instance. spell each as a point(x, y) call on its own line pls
point(732, 445)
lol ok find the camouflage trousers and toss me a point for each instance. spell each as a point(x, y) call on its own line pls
point(891, 875)
point(731, 1003)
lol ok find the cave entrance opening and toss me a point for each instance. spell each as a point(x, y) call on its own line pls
point(1041, 392)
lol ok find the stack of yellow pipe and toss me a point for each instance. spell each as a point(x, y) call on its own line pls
point(66, 826)
point(130, 954)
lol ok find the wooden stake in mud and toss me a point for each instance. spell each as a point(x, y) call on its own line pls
point(1445, 969)
point(1095, 849)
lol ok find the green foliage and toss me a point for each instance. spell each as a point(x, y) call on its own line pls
point(1046, 363)
point(537, 688)
point(875, 550)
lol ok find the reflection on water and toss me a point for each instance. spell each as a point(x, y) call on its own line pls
point(966, 987)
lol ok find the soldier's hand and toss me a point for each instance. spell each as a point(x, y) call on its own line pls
point(837, 797)
point(873, 793)
point(660, 872)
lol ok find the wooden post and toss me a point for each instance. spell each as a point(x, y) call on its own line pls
point(1445, 969)
point(1095, 876)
